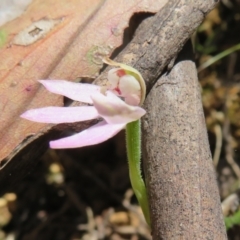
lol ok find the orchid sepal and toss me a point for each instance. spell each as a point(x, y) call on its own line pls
point(81, 92)
point(58, 115)
point(96, 134)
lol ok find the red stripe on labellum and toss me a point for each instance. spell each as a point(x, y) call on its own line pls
point(121, 72)
point(118, 91)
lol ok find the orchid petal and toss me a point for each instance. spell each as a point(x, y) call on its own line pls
point(77, 91)
point(61, 114)
point(91, 136)
point(114, 110)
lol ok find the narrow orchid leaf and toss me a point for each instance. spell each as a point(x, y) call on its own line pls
point(91, 136)
point(81, 92)
point(116, 111)
point(61, 114)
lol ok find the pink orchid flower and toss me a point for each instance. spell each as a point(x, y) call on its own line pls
point(114, 111)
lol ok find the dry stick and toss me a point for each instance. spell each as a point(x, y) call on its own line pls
point(182, 187)
point(218, 148)
point(230, 204)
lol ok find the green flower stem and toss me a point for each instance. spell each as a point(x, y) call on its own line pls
point(133, 140)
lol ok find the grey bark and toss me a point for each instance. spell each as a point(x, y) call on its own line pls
point(182, 187)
